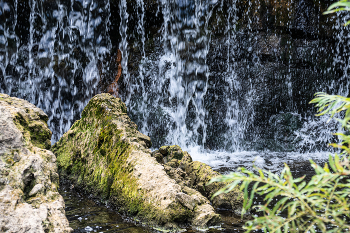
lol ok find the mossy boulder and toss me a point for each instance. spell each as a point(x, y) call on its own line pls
point(196, 175)
point(30, 120)
point(29, 200)
point(107, 156)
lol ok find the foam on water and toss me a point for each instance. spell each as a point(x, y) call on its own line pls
point(271, 161)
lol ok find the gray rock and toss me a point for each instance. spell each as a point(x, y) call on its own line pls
point(29, 201)
point(186, 200)
point(203, 216)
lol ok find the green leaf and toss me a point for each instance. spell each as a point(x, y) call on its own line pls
point(343, 4)
point(252, 195)
point(279, 203)
point(292, 209)
point(301, 186)
point(232, 185)
point(337, 163)
point(331, 163)
point(326, 168)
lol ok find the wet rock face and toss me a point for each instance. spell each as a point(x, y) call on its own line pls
point(104, 154)
point(29, 201)
point(275, 74)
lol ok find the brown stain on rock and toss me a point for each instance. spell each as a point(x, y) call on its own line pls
point(113, 87)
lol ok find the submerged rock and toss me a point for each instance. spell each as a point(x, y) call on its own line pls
point(29, 201)
point(104, 154)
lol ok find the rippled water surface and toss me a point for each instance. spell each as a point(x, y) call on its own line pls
point(84, 215)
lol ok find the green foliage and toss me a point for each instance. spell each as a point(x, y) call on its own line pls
point(333, 104)
point(343, 5)
point(322, 204)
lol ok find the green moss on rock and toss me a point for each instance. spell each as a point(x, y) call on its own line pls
point(95, 155)
point(34, 131)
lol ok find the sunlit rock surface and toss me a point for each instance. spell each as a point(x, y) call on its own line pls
point(29, 201)
point(104, 154)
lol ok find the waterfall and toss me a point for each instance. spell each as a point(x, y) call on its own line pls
point(316, 131)
point(53, 61)
point(9, 42)
point(123, 46)
point(214, 75)
point(342, 52)
point(236, 120)
point(171, 83)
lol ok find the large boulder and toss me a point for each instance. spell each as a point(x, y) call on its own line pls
point(104, 154)
point(29, 200)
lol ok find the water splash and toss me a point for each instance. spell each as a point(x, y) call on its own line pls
point(226, 162)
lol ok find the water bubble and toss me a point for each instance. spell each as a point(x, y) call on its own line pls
point(88, 229)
